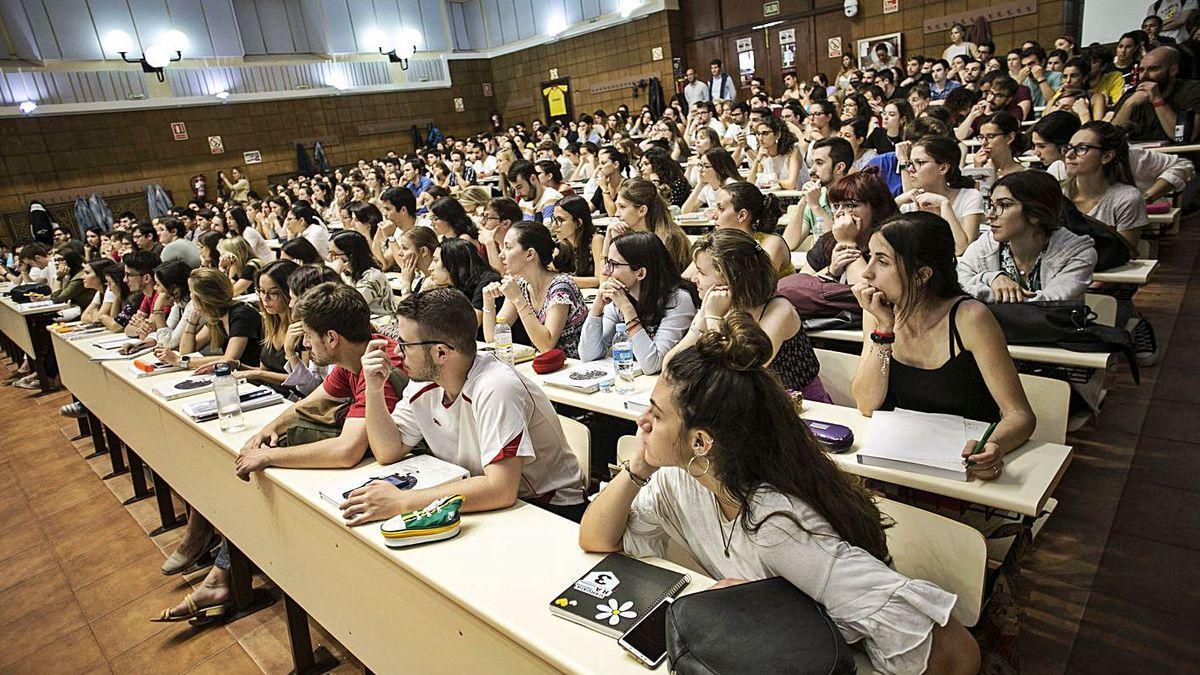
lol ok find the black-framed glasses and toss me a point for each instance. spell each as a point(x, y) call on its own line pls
point(999, 206)
point(848, 205)
point(1080, 149)
point(610, 264)
point(403, 346)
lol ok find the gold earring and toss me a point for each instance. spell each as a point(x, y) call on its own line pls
point(707, 465)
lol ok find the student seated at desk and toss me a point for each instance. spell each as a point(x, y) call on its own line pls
point(860, 202)
point(238, 261)
point(139, 274)
point(1026, 255)
point(274, 303)
point(913, 306)
point(1100, 182)
point(640, 208)
point(350, 256)
point(734, 273)
point(714, 168)
point(499, 214)
point(304, 374)
point(938, 186)
point(572, 223)
point(66, 285)
point(457, 264)
point(111, 306)
point(547, 303)
point(721, 432)
point(742, 206)
point(472, 410)
point(229, 325)
point(172, 292)
point(645, 292)
point(301, 252)
point(413, 252)
point(337, 328)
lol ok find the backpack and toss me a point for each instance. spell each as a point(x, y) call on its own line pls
point(435, 135)
point(1111, 248)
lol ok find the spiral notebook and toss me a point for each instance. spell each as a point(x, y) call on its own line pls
point(617, 592)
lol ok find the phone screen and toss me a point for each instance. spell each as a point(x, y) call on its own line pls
point(647, 640)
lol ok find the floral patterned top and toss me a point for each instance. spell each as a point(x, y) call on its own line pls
point(562, 291)
point(375, 288)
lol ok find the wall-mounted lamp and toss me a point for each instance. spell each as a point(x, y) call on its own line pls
point(222, 95)
point(155, 57)
point(627, 7)
point(405, 47)
point(27, 107)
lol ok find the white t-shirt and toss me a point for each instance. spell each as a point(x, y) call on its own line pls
point(258, 244)
point(1121, 207)
point(318, 236)
point(499, 414)
point(98, 300)
point(487, 165)
point(968, 201)
point(1168, 10)
point(892, 615)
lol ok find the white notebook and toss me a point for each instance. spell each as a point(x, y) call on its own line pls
point(925, 443)
point(426, 471)
point(587, 377)
point(188, 386)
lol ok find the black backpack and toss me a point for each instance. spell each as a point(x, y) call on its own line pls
point(1111, 248)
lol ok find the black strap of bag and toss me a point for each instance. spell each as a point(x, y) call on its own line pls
point(762, 627)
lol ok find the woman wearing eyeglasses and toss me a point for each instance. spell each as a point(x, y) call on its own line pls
point(706, 139)
point(780, 155)
point(537, 290)
point(572, 223)
point(500, 214)
point(937, 185)
point(1026, 254)
point(717, 168)
point(1002, 143)
point(735, 274)
point(1099, 180)
point(350, 256)
point(645, 292)
point(860, 202)
point(274, 304)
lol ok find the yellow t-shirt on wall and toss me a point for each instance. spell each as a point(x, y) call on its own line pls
point(556, 96)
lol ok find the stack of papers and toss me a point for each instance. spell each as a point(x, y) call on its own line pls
point(925, 443)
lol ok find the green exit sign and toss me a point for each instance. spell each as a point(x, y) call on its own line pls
point(771, 8)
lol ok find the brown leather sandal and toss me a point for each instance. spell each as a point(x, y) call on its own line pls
point(194, 612)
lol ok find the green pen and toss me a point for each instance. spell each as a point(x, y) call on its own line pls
point(980, 443)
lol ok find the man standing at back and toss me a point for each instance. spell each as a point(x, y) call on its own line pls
point(472, 410)
point(720, 87)
point(695, 90)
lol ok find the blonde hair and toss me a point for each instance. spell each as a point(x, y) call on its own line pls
point(212, 291)
point(659, 220)
point(239, 249)
point(742, 262)
point(474, 197)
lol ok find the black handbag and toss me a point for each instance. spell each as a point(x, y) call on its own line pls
point(1070, 325)
point(28, 292)
point(768, 627)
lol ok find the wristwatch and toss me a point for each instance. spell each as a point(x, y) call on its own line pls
point(184, 360)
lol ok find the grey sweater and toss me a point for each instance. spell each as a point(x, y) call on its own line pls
point(1066, 268)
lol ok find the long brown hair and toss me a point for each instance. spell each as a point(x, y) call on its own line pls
point(759, 443)
point(212, 291)
point(642, 192)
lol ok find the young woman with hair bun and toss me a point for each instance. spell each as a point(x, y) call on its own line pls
point(741, 206)
point(723, 467)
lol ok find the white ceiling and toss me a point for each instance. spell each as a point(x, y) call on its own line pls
point(40, 30)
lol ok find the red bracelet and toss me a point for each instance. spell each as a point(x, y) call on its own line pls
point(881, 338)
point(1159, 103)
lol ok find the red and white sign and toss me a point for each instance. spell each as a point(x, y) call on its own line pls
point(891, 6)
point(835, 47)
point(487, 88)
point(216, 145)
point(179, 131)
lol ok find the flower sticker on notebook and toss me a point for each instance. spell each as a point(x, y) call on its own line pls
point(614, 612)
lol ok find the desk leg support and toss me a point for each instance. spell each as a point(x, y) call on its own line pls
point(246, 599)
point(305, 659)
point(99, 447)
point(137, 476)
point(83, 423)
point(166, 507)
point(115, 455)
point(41, 347)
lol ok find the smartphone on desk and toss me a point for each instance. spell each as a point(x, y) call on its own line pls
point(646, 640)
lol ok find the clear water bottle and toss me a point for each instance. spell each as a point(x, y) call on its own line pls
point(622, 354)
point(502, 337)
point(229, 404)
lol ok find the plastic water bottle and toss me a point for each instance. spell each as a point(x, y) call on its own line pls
point(622, 353)
point(502, 337)
point(229, 404)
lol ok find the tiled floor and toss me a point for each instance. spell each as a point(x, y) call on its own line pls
point(1112, 581)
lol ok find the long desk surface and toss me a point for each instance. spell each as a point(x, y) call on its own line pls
point(14, 321)
point(1030, 475)
point(476, 603)
point(1053, 355)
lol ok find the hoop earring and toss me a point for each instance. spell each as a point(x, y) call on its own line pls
point(707, 466)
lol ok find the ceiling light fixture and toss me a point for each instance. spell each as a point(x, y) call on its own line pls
point(154, 58)
point(27, 107)
point(406, 45)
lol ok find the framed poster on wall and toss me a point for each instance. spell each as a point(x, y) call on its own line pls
point(880, 51)
point(556, 100)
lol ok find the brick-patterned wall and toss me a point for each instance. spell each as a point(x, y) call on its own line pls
point(1043, 26)
point(42, 154)
point(610, 54)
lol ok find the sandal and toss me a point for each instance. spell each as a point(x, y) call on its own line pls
point(178, 564)
point(194, 612)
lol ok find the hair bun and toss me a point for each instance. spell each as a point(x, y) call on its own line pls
point(740, 345)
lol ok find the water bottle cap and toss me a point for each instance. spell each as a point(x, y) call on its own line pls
point(621, 326)
point(222, 369)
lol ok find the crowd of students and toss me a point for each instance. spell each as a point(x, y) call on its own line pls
point(510, 227)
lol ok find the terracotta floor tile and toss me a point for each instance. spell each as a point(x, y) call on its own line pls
point(21, 600)
point(272, 654)
point(105, 556)
point(21, 566)
point(120, 586)
point(1151, 573)
point(1160, 513)
point(40, 629)
point(75, 652)
point(176, 650)
point(232, 659)
point(1117, 636)
point(1168, 463)
point(129, 624)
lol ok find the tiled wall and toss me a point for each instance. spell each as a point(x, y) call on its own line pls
point(589, 60)
point(1043, 26)
point(42, 154)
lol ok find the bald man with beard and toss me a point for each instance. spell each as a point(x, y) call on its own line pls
point(1151, 111)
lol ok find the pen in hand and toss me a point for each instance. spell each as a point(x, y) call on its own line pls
point(979, 445)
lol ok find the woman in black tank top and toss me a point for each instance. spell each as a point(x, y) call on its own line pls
point(914, 305)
